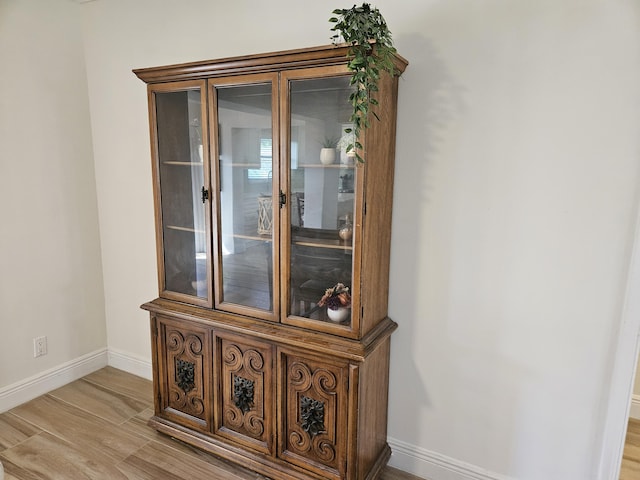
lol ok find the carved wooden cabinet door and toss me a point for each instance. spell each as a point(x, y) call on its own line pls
point(184, 373)
point(314, 424)
point(245, 408)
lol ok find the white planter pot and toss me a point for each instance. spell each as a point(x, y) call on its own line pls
point(327, 156)
point(338, 315)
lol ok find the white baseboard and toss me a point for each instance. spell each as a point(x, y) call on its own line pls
point(434, 466)
point(130, 363)
point(20, 392)
point(634, 412)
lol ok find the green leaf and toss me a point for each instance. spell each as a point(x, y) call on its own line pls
point(359, 26)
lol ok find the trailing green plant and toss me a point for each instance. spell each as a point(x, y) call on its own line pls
point(371, 52)
point(330, 142)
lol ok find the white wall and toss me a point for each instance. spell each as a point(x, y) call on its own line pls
point(521, 207)
point(517, 184)
point(50, 270)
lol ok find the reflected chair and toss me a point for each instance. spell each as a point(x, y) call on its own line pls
point(313, 270)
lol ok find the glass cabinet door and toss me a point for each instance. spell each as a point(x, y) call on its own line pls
point(321, 177)
point(181, 185)
point(243, 121)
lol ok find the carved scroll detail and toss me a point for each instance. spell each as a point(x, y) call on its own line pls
point(312, 391)
point(243, 406)
point(184, 352)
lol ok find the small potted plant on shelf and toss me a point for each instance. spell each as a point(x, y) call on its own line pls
point(371, 52)
point(337, 299)
point(328, 150)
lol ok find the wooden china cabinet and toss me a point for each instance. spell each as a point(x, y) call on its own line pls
point(252, 228)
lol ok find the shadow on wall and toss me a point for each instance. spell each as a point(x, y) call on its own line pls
point(429, 101)
point(435, 342)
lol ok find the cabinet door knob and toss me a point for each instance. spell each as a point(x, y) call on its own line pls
point(205, 194)
point(283, 199)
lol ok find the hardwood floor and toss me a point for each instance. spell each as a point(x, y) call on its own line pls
point(96, 428)
point(630, 469)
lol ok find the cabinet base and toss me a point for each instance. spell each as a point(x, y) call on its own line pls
point(265, 465)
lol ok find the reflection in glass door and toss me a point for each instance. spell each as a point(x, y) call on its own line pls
point(246, 210)
point(322, 195)
point(181, 170)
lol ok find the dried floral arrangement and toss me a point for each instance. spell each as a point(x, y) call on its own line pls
point(336, 297)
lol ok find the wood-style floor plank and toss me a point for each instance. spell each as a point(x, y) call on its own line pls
point(138, 425)
point(125, 383)
point(96, 429)
point(155, 460)
point(630, 468)
point(47, 457)
point(96, 399)
point(14, 430)
point(16, 471)
point(79, 427)
point(390, 473)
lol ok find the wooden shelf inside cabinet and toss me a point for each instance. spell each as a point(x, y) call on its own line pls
point(183, 164)
point(262, 238)
point(320, 165)
point(321, 238)
point(241, 165)
point(184, 229)
point(335, 244)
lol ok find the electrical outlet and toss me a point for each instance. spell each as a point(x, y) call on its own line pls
point(39, 346)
